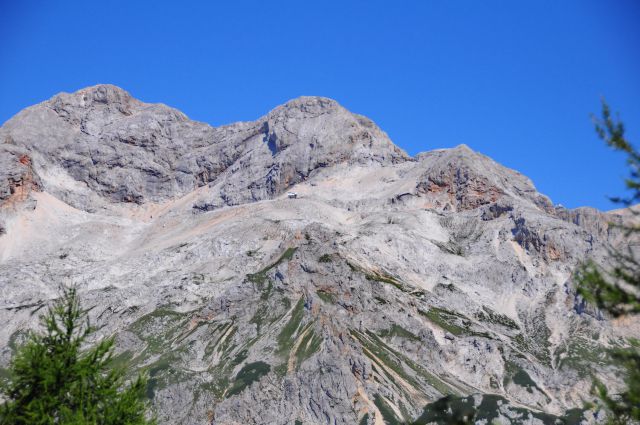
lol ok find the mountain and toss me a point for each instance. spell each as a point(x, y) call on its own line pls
point(389, 282)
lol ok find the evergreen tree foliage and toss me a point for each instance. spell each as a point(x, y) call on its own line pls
point(56, 380)
point(616, 289)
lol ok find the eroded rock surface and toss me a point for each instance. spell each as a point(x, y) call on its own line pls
point(388, 283)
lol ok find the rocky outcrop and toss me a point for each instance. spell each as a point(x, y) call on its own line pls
point(386, 284)
point(594, 221)
point(460, 179)
point(18, 178)
point(531, 240)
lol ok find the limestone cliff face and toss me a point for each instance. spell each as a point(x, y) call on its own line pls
point(389, 282)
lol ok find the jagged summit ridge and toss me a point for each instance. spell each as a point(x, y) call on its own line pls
point(125, 150)
point(130, 151)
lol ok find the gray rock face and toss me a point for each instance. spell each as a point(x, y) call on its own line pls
point(128, 151)
point(389, 282)
point(18, 178)
point(460, 179)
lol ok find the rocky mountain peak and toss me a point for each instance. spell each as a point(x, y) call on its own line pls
point(386, 283)
point(307, 107)
point(321, 126)
point(100, 94)
point(466, 179)
point(108, 99)
point(125, 150)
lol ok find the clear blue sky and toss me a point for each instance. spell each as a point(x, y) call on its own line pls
point(513, 80)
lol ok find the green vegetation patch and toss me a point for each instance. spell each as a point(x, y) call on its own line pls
point(156, 372)
point(261, 277)
point(364, 420)
point(387, 357)
point(165, 370)
point(231, 355)
point(239, 358)
point(288, 255)
point(216, 334)
point(384, 357)
point(268, 313)
point(516, 374)
point(458, 410)
point(325, 258)
point(385, 278)
point(399, 331)
point(494, 317)
point(448, 320)
point(121, 360)
point(379, 277)
point(165, 333)
point(249, 374)
point(271, 306)
point(327, 297)
point(309, 344)
point(536, 348)
point(380, 300)
point(447, 410)
point(388, 415)
point(286, 337)
point(426, 376)
point(535, 339)
point(456, 323)
point(159, 328)
point(523, 379)
point(582, 355)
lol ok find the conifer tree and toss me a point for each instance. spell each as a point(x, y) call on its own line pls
point(616, 289)
point(55, 379)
